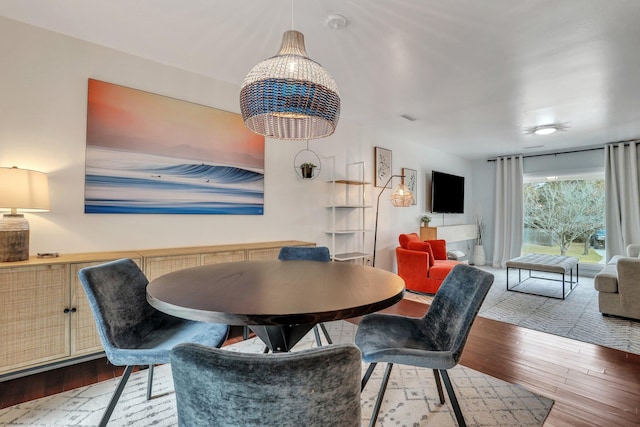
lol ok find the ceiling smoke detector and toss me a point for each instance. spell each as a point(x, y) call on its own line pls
point(546, 129)
point(336, 21)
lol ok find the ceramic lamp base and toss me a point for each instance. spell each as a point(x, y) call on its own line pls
point(14, 238)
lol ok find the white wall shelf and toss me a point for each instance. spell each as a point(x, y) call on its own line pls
point(347, 206)
point(349, 231)
point(350, 256)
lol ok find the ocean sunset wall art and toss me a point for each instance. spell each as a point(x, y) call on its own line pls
point(152, 154)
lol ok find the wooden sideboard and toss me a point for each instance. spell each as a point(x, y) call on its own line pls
point(45, 318)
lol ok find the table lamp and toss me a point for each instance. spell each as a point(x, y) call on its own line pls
point(24, 190)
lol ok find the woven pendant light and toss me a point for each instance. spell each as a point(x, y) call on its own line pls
point(290, 96)
point(401, 197)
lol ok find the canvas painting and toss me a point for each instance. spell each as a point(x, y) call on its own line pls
point(411, 181)
point(152, 154)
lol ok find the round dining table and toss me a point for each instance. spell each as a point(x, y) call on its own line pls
point(278, 300)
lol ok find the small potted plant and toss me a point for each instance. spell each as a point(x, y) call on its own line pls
point(307, 170)
point(425, 219)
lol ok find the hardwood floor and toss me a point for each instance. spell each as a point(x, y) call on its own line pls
point(591, 385)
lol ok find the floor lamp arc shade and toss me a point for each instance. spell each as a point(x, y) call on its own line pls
point(289, 96)
point(27, 191)
point(400, 198)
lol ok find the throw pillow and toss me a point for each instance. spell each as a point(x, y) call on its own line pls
point(423, 247)
point(439, 248)
point(404, 239)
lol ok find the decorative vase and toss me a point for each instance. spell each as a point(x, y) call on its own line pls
point(478, 255)
point(307, 172)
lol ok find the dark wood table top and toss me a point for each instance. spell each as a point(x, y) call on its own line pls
point(275, 292)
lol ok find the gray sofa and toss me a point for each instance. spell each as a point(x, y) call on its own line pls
point(618, 285)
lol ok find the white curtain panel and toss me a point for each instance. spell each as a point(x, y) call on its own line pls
point(509, 211)
point(622, 197)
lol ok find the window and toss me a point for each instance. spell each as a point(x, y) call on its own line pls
point(565, 215)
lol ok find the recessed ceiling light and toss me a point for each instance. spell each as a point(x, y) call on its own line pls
point(546, 129)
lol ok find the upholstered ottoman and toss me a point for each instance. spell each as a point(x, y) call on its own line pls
point(562, 265)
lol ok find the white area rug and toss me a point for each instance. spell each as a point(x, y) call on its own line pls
point(411, 398)
point(576, 317)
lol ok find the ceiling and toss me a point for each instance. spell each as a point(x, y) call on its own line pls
point(474, 74)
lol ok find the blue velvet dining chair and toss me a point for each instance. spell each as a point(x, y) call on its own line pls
point(308, 253)
point(131, 331)
point(313, 387)
point(434, 341)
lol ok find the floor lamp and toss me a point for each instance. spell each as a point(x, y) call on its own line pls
point(401, 197)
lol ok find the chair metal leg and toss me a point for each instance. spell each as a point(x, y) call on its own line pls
point(367, 375)
point(149, 382)
point(383, 388)
point(317, 334)
point(116, 396)
point(452, 398)
point(439, 386)
point(326, 333)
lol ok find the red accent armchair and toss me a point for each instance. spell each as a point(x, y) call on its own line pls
point(423, 265)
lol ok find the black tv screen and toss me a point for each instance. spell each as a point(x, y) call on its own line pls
point(447, 193)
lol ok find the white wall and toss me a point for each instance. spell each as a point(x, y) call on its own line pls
point(393, 221)
point(582, 162)
point(43, 105)
point(484, 199)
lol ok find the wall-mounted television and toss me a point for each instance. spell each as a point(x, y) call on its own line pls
point(447, 193)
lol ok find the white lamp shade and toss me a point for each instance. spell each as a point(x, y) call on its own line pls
point(24, 189)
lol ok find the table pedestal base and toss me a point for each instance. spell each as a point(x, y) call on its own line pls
point(281, 338)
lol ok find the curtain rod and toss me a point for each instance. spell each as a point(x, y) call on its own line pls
point(627, 142)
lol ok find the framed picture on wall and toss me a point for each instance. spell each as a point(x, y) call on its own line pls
point(411, 181)
point(152, 154)
point(382, 166)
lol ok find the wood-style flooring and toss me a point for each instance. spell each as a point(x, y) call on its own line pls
point(591, 385)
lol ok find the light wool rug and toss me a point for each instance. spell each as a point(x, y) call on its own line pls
point(576, 317)
point(411, 398)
